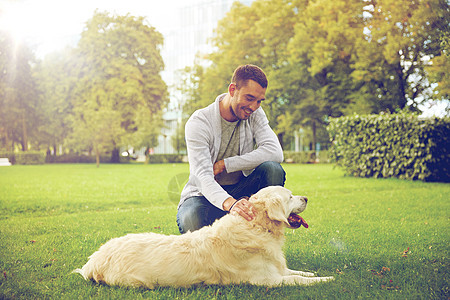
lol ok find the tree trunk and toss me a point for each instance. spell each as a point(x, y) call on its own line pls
point(280, 139)
point(97, 156)
point(147, 155)
point(314, 146)
point(115, 156)
point(9, 144)
point(313, 127)
point(24, 133)
point(402, 101)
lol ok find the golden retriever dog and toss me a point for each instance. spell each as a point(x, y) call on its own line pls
point(230, 251)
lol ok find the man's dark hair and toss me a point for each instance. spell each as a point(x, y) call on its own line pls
point(244, 73)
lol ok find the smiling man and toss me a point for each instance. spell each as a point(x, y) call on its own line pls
point(232, 152)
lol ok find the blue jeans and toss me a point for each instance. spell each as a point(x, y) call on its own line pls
point(196, 212)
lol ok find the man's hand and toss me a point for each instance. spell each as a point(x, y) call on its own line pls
point(243, 207)
point(219, 167)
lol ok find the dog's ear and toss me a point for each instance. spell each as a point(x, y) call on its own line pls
point(276, 209)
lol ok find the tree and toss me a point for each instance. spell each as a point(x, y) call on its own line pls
point(236, 44)
point(288, 39)
point(19, 97)
point(256, 34)
point(6, 53)
point(401, 37)
point(119, 93)
point(328, 58)
point(319, 63)
point(189, 87)
point(55, 82)
point(439, 64)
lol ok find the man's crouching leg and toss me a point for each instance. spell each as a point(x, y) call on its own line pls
point(195, 213)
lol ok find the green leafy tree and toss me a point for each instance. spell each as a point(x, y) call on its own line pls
point(188, 88)
point(400, 39)
point(236, 44)
point(19, 95)
point(328, 58)
point(55, 82)
point(119, 93)
point(256, 34)
point(6, 54)
point(320, 53)
point(283, 38)
point(438, 67)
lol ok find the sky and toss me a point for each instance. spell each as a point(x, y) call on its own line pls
point(50, 25)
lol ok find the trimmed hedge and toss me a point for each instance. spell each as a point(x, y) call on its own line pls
point(72, 158)
point(24, 158)
point(165, 158)
point(9, 155)
point(29, 158)
point(398, 145)
point(305, 157)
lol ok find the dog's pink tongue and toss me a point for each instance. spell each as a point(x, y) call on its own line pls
point(304, 223)
point(295, 221)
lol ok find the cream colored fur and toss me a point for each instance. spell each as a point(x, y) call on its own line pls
point(230, 251)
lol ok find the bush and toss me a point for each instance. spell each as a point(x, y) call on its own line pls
point(398, 145)
point(73, 158)
point(305, 157)
point(165, 158)
point(29, 158)
point(9, 155)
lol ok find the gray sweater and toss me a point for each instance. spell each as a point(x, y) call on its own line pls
point(203, 136)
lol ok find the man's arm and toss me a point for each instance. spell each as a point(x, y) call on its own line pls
point(199, 139)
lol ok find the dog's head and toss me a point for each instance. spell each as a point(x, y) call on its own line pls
point(282, 206)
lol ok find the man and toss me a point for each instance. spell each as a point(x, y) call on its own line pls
point(232, 153)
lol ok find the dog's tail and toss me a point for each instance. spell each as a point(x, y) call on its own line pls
point(91, 271)
point(81, 272)
point(87, 271)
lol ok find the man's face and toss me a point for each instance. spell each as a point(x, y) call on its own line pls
point(247, 99)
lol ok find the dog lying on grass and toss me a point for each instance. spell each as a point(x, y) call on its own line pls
point(230, 251)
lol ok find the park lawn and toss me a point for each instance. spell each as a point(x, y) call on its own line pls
point(380, 238)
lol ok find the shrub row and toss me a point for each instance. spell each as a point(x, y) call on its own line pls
point(73, 158)
point(398, 145)
point(165, 158)
point(27, 158)
point(305, 157)
point(9, 155)
point(78, 158)
point(24, 158)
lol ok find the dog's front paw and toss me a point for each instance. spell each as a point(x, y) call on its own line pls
point(330, 278)
point(301, 273)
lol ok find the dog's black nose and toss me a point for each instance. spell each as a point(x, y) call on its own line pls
point(306, 199)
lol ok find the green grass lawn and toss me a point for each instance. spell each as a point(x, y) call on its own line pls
point(382, 238)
